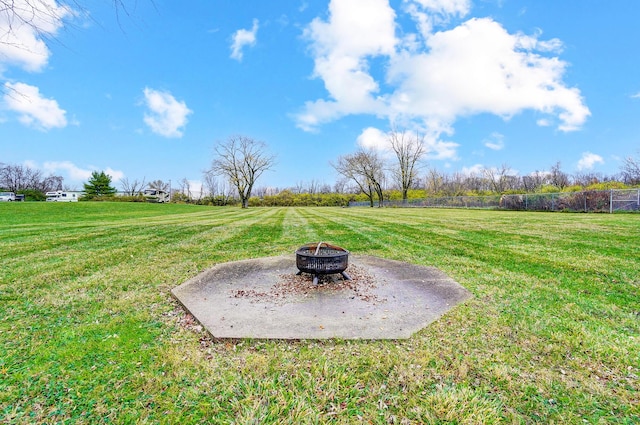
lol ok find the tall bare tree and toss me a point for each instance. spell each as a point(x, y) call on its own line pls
point(185, 188)
point(366, 169)
point(631, 170)
point(409, 149)
point(557, 177)
point(132, 188)
point(242, 160)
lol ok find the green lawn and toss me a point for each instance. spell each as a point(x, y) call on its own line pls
point(89, 332)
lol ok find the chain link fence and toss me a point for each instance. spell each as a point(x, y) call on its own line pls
point(609, 201)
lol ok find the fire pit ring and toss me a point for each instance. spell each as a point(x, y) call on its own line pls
point(320, 259)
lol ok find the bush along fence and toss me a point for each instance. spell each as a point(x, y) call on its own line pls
point(609, 201)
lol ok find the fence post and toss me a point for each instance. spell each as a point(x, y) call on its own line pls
point(611, 201)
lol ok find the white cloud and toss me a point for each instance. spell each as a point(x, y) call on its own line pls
point(33, 109)
point(166, 116)
point(444, 7)
point(430, 13)
point(473, 171)
point(23, 28)
point(543, 122)
point(636, 96)
point(373, 138)
point(495, 142)
point(356, 30)
point(71, 170)
point(589, 160)
point(474, 68)
point(242, 38)
point(478, 67)
point(78, 174)
point(116, 175)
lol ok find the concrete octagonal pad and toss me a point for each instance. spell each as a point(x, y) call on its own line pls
point(264, 298)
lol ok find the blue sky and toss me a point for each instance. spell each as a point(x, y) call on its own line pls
point(147, 92)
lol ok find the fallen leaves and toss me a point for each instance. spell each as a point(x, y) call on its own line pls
point(289, 286)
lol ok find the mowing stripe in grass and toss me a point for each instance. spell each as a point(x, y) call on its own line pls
point(548, 337)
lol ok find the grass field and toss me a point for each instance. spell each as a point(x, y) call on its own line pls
point(89, 332)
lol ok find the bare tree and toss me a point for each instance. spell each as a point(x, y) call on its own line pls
point(210, 184)
point(38, 16)
point(340, 186)
point(409, 149)
point(18, 178)
point(185, 187)
point(470, 182)
point(434, 182)
point(499, 178)
point(631, 170)
point(260, 191)
point(366, 170)
point(220, 192)
point(347, 168)
point(41, 16)
point(313, 187)
point(133, 188)
point(242, 160)
point(50, 184)
point(298, 188)
point(589, 178)
point(534, 181)
point(324, 188)
point(26, 20)
point(12, 177)
point(557, 177)
point(159, 185)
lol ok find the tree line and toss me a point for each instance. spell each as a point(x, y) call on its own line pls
point(365, 175)
point(27, 181)
point(369, 175)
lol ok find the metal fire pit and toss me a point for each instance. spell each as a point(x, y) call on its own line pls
point(322, 258)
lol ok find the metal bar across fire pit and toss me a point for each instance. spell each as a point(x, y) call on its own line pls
point(322, 258)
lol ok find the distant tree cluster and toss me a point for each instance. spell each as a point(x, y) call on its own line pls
point(28, 181)
point(631, 170)
point(503, 180)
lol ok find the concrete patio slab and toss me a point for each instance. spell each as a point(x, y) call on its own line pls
point(263, 298)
